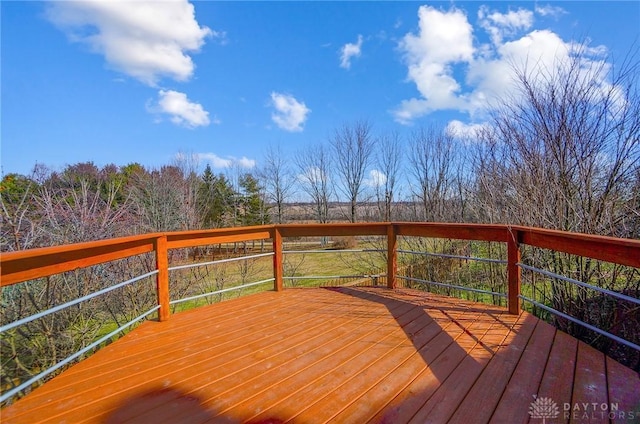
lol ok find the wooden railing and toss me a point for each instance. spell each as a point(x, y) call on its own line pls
point(16, 267)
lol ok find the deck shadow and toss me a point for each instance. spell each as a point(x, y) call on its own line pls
point(157, 405)
point(442, 363)
point(393, 306)
point(170, 405)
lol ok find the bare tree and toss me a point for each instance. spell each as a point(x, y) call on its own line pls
point(80, 204)
point(158, 199)
point(188, 164)
point(277, 179)
point(77, 207)
point(566, 147)
point(314, 175)
point(19, 217)
point(433, 163)
point(388, 159)
point(564, 153)
point(353, 151)
point(631, 223)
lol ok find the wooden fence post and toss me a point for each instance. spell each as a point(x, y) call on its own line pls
point(162, 278)
point(513, 271)
point(392, 256)
point(278, 269)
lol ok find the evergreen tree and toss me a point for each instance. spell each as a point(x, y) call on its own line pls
point(253, 206)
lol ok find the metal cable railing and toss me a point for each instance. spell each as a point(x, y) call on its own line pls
point(219, 261)
point(17, 267)
point(582, 323)
point(449, 256)
point(580, 283)
point(73, 302)
point(452, 286)
point(26, 384)
point(228, 289)
point(11, 393)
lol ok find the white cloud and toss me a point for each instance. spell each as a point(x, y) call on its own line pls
point(444, 38)
point(411, 109)
point(451, 73)
point(465, 131)
point(313, 176)
point(501, 25)
point(376, 179)
point(228, 162)
point(182, 111)
point(349, 51)
point(146, 40)
point(493, 78)
point(548, 10)
point(244, 162)
point(290, 114)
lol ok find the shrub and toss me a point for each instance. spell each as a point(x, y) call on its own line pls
point(346, 242)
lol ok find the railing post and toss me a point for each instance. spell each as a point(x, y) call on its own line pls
point(392, 256)
point(278, 269)
point(513, 271)
point(162, 278)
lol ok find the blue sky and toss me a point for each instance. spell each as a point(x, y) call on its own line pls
point(121, 82)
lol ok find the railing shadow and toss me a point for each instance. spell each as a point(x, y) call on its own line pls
point(445, 353)
point(446, 308)
point(170, 405)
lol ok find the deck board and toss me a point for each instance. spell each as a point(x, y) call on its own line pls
point(558, 377)
point(484, 396)
point(590, 386)
point(526, 378)
point(332, 355)
point(444, 401)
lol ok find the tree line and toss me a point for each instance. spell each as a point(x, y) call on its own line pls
point(84, 202)
point(561, 151)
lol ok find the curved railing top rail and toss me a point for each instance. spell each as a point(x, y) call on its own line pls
point(19, 266)
point(23, 265)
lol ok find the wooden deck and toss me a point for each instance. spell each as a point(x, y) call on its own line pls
point(349, 355)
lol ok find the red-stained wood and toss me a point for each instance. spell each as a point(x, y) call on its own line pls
point(20, 266)
point(514, 273)
point(224, 235)
point(162, 278)
point(382, 373)
point(333, 229)
point(201, 357)
point(623, 390)
point(559, 372)
point(589, 387)
point(337, 356)
point(278, 264)
point(413, 402)
point(313, 355)
point(16, 267)
point(484, 396)
point(487, 232)
point(166, 341)
point(526, 378)
point(611, 249)
point(324, 369)
point(392, 256)
point(443, 403)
